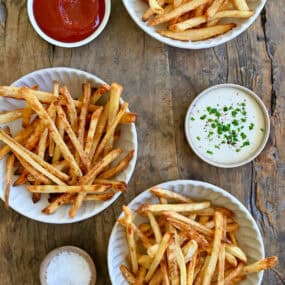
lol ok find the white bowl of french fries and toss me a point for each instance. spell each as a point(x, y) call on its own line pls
point(68, 145)
point(194, 24)
point(186, 232)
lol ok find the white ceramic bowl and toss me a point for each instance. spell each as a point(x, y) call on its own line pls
point(248, 235)
point(252, 155)
point(20, 198)
point(83, 42)
point(136, 8)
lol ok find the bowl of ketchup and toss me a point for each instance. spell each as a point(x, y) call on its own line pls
point(69, 23)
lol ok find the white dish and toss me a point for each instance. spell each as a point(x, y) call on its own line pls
point(248, 236)
point(20, 199)
point(83, 42)
point(209, 148)
point(136, 8)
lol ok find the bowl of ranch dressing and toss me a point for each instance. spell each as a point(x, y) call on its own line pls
point(227, 125)
point(68, 265)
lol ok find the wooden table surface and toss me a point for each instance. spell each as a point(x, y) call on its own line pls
point(159, 82)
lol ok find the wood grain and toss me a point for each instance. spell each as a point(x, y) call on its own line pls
point(159, 83)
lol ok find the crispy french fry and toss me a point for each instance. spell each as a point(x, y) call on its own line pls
point(60, 127)
point(162, 193)
point(76, 143)
point(38, 108)
point(145, 261)
point(155, 227)
point(99, 92)
point(233, 14)
point(188, 24)
point(38, 163)
point(157, 208)
point(260, 265)
point(236, 251)
point(189, 250)
point(119, 167)
point(191, 269)
point(110, 130)
point(149, 12)
point(58, 202)
point(92, 128)
point(156, 278)
point(221, 266)
point(128, 118)
point(116, 185)
point(140, 276)
point(130, 277)
point(99, 197)
point(200, 33)
point(68, 189)
point(209, 270)
point(10, 116)
point(160, 252)
point(8, 178)
point(155, 7)
point(181, 264)
point(231, 259)
point(213, 8)
point(234, 273)
point(182, 9)
point(241, 5)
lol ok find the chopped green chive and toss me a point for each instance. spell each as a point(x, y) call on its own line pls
point(192, 119)
point(251, 126)
point(203, 117)
point(198, 138)
point(209, 152)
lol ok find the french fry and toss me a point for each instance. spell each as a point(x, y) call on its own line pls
point(98, 93)
point(99, 197)
point(209, 270)
point(83, 113)
point(160, 252)
point(233, 14)
point(68, 189)
point(189, 250)
point(162, 193)
point(234, 273)
point(150, 12)
point(140, 276)
point(10, 116)
point(231, 259)
point(156, 278)
point(58, 202)
point(200, 33)
point(188, 24)
point(155, 227)
point(110, 130)
point(260, 265)
point(9, 169)
point(213, 8)
point(131, 279)
point(241, 5)
point(237, 252)
point(33, 159)
point(38, 108)
point(116, 185)
point(92, 128)
point(155, 7)
point(157, 208)
point(191, 269)
point(60, 127)
point(176, 12)
point(181, 264)
point(123, 164)
point(75, 141)
point(128, 118)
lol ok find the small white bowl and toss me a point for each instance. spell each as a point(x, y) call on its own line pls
point(69, 248)
point(83, 42)
point(248, 235)
point(258, 148)
point(136, 8)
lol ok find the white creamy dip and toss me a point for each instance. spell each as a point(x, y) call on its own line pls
point(226, 125)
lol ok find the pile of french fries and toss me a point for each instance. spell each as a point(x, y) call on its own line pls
point(195, 20)
point(66, 147)
point(185, 242)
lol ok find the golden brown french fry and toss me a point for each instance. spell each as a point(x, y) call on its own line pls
point(110, 130)
point(119, 167)
point(155, 7)
point(83, 113)
point(145, 261)
point(188, 24)
point(116, 185)
point(30, 169)
point(181, 263)
point(232, 227)
point(171, 258)
point(176, 12)
point(114, 102)
point(157, 208)
point(213, 8)
point(191, 269)
point(163, 268)
point(129, 118)
point(241, 5)
point(99, 92)
point(131, 238)
point(33, 139)
point(233, 14)
point(60, 127)
point(234, 273)
point(261, 264)
point(92, 128)
point(221, 266)
point(76, 143)
point(155, 227)
point(130, 277)
point(10, 116)
point(156, 278)
point(159, 255)
point(231, 259)
point(9, 170)
point(200, 33)
point(189, 249)
point(22, 179)
point(232, 238)
point(68, 189)
point(39, 109)
point(58, 202)
point(236, 251)
point(140, 276)
point(163, 193)
point(209, 270)
point(149, 12)
point(38, 163)
point(213, 22)
point(99, 197)
point(199, 11)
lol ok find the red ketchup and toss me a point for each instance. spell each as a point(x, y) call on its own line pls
point(69, 20)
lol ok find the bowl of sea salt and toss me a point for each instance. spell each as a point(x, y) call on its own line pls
point(68, 265)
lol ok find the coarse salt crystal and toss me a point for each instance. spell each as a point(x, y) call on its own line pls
point(68, 268)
